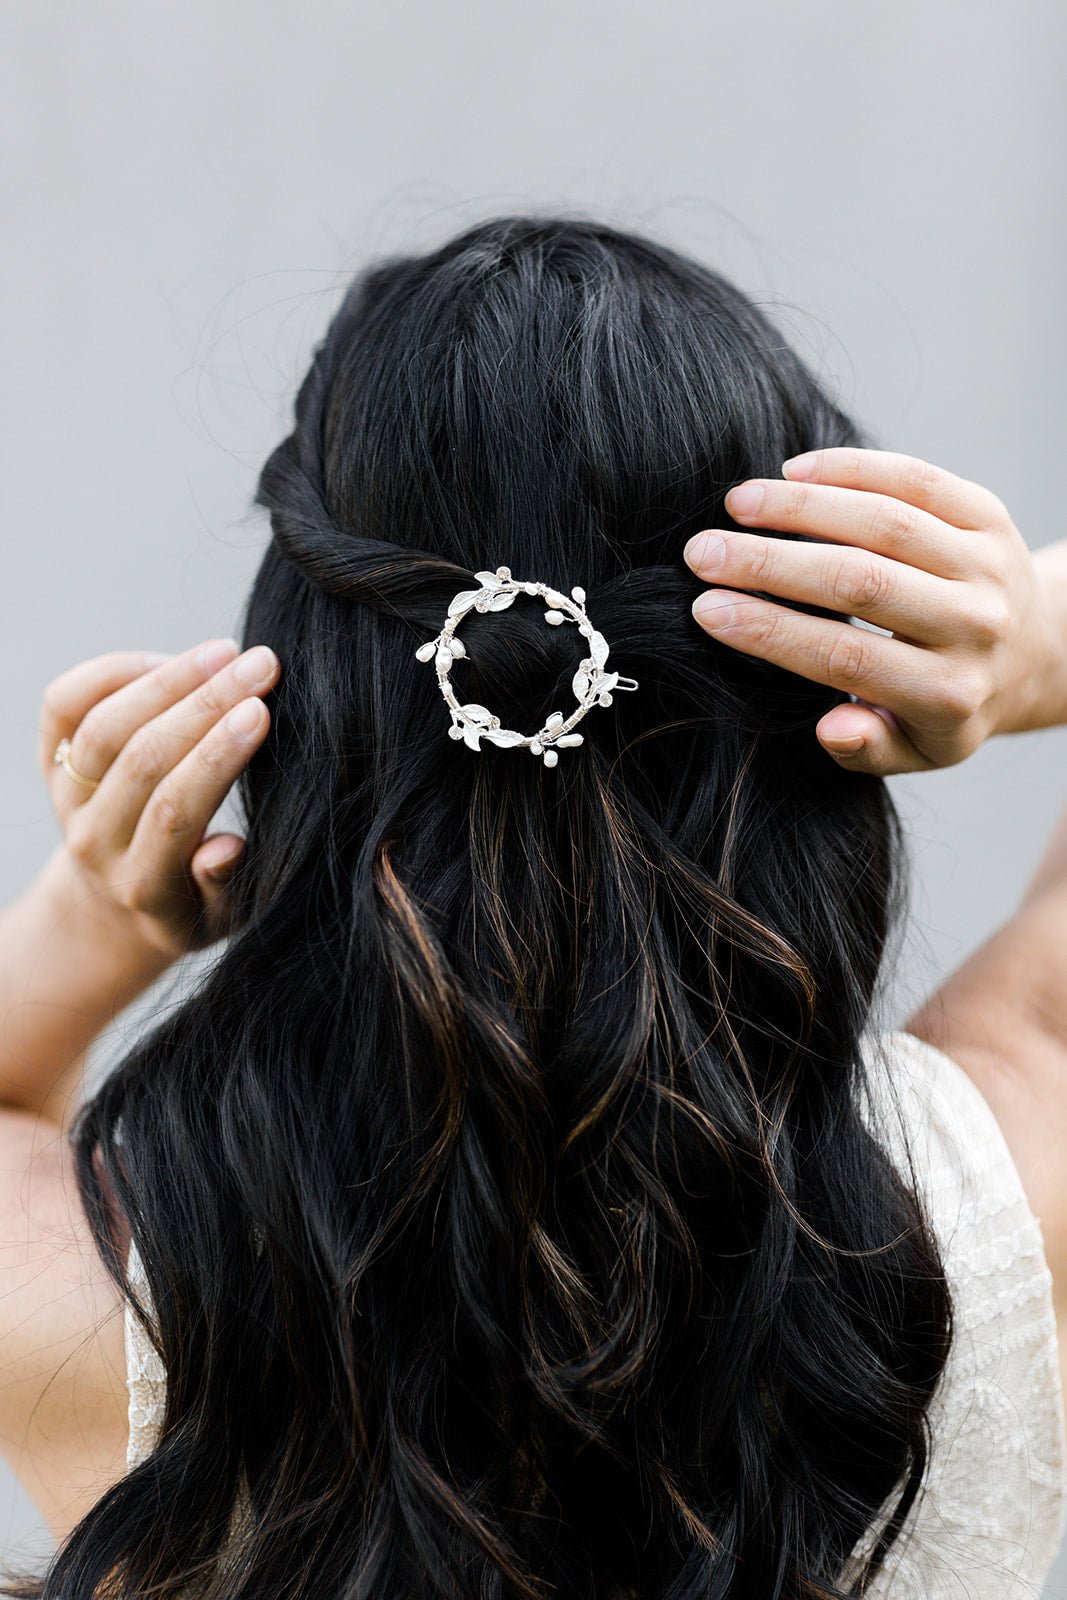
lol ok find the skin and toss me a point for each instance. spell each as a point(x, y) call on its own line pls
point(979, 647)
point(977, 621)
point(136, 883)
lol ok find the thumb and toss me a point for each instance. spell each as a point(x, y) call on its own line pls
point(869, 739)
point(213, 866)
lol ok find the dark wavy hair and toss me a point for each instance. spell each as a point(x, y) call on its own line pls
point(510, 1219)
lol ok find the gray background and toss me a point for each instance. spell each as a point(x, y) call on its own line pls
point(187, 185)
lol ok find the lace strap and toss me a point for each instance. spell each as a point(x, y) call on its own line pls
point(146, 1378)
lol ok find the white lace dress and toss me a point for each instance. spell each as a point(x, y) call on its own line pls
point(991, 1513)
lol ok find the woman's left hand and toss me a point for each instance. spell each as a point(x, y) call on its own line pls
point(934, 559)
point(160, 741)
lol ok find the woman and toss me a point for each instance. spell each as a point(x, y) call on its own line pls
point(526, 1203)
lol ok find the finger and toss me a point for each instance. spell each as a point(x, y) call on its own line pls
point(857, 583)
point(861, 740)
point(68, 697)
point(173, 822)
point(217, 856)
point(212, 865)
point(957, 501)
point(107, 724)
point(888, 672)
point(158, 746)
point(858, 517)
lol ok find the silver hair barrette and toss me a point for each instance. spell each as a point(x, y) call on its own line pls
point(592, 684)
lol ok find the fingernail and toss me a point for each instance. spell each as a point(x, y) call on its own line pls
point(846, 747)
point(223, 868)
point(713, 611)
point(799, 466)
point(256, 665)
point(245, 718)
point(216, 653)
point(154, 658)
point(705, 550)
point(745, 500)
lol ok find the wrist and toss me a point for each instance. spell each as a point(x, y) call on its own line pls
point(112, 953)
point(1041, 700)
point(1051, 565)
point(69, 963)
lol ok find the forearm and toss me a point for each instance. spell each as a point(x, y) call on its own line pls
point(1003, 1018)
point(1051, 871)
point(1018, 976)
point(66, 970)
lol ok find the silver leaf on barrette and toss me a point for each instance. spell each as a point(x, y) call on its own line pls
point(463, 601)
point(598, 648)
point(476, 713)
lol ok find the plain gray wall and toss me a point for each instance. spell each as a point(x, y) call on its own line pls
point(187, 185)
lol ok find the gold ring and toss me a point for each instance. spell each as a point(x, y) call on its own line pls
point(61, 758)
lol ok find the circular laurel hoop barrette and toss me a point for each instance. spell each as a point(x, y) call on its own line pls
point(592, 683)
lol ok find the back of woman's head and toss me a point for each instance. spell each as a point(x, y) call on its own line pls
point(510, 1221)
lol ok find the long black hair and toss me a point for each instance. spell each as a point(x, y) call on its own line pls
point(510, 1221)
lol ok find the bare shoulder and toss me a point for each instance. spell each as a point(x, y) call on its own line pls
point(63, 1419)
point(1003, 1017)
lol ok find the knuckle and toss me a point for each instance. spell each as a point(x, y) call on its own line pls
point(169, 815)
point(142, 757)
point(999, 515)
point(93, 744)
point(209, 699)
point(918, 479)
point(860, 583)
point(989, 620)
point(80, 837)
point(991, 561)
point(128, 893)
point(763, 624)
point(173, 675)
point(796, 503)
point(134, 893)
point(758, 556)
point(845, 461)
point(214, 754)
point(847, 658)
point(891, 521)
point(962, 695)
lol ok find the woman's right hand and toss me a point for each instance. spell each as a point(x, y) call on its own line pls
point(931, 557)
point(158, 743)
